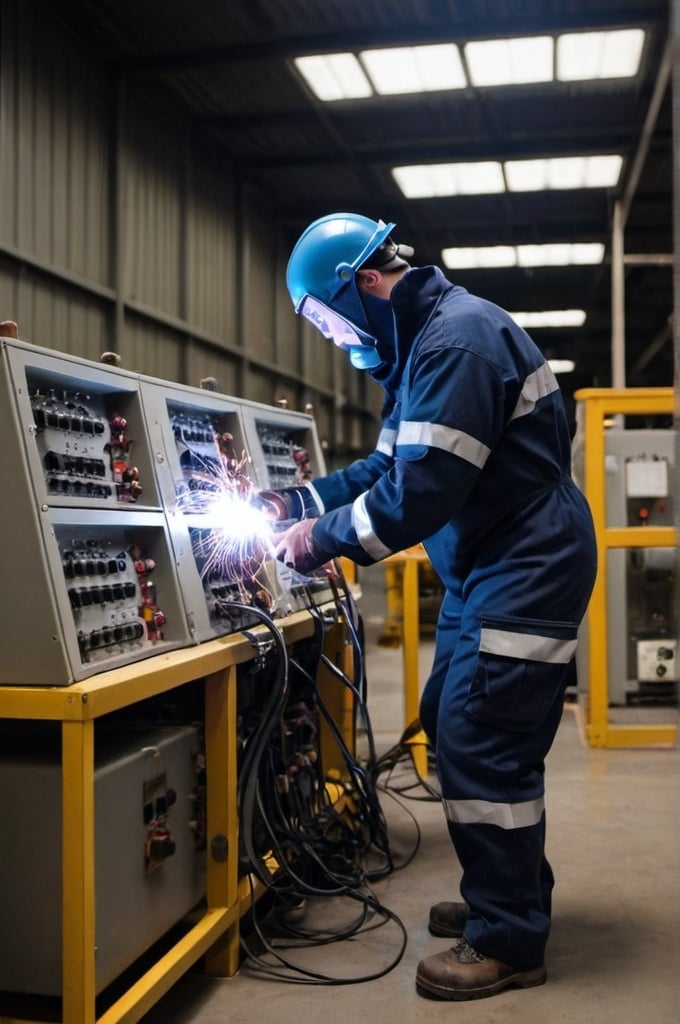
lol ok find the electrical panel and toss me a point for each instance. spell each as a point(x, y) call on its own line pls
point(205, 476)
point(285, 452)
point(90, 581)
point(640, 489)
point(130, 525)
point(149, 847)
point(640, 475)
point(283, 446)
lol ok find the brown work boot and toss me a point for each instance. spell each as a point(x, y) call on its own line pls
point(463, 973)
point(448, 919)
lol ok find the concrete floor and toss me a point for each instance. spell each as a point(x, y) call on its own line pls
point(613, 841)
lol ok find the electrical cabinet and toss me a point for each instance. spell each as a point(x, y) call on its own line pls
point(114, 547)
point(640, 481)
point(149, 848)
point(89, 578)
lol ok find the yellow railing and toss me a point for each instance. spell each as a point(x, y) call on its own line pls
point(598, 403)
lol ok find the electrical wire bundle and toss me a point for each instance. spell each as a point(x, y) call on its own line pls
point(316, 844)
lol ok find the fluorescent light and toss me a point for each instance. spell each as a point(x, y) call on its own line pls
point(490, 62)
point(563, 173)
point(563, 254)
point(551, 318)
point(562, 365)
point(334, 76)
point(584, 55)
point(510, 61)
point(409, 69)
point(474, 258)
point(420, 181)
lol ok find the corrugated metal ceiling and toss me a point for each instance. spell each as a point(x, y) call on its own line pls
point(228, 67)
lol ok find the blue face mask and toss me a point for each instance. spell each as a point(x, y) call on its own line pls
point(381, 322)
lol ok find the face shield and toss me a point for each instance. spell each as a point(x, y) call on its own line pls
point(341, 331)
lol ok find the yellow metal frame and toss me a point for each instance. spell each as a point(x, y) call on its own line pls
point(408, 561)
point(77, 707)
point(597, 404)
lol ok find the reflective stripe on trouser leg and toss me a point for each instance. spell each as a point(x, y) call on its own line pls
point(492, 787)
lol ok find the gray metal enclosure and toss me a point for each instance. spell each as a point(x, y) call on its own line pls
point(119, 231)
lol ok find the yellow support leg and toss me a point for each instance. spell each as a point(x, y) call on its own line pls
point(78, 892)
point(411, 633)
point(222, 960)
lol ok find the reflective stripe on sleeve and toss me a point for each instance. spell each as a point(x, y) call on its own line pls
point(539, 384)
point(321, 508)
point(436, 435)
point(527, 646)
point(368, 539)
point(386, 439)
point(486, 812)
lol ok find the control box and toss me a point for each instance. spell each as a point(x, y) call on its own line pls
point(131, 526)
point(283, 445)
point(89, 577)
point(149, 848)
point(205, 476)
point(640, 490)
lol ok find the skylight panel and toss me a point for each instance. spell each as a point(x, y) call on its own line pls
point(422, 181)
point(588, 55)
point(563, 173)
point(473, 258)
point(562, 254)
point(510, 61)
point(412, 69)
point(551, 318)
point(334, 76)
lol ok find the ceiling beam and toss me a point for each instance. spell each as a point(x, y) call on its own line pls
point(145, 64)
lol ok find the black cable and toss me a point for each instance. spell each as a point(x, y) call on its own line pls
point(302, 828)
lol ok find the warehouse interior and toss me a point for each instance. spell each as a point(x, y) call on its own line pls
point(158, 163)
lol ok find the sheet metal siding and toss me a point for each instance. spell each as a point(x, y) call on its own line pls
point(192, 250)
point(152, 202)
point(260, 289)
point(211, 249)
point(54, 141)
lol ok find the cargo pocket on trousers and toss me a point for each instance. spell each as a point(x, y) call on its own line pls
point(523, 666)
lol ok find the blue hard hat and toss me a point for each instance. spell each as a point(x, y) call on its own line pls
point(321, 280)
point(328, 253)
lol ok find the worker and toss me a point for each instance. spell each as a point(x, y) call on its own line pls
point(473, 460)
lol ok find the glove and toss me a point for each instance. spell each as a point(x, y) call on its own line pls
point(297, 548)
point(288, 503)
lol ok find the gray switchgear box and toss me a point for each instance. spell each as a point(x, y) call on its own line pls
point(89, 580)
point(103, 560)
point(146, 785)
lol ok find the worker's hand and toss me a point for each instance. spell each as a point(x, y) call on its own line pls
point(8, 329)
point(297, 548)
point(293, 503)
point(272, 504)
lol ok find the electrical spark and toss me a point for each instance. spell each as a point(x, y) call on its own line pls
point(234, 538)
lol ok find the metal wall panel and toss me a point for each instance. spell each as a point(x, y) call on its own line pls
point(153, 177)
point(211, 249)
point(119, 230)
point(153, 350)
point(54, 140)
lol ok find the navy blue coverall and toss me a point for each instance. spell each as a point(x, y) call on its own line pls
point(473, 459)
